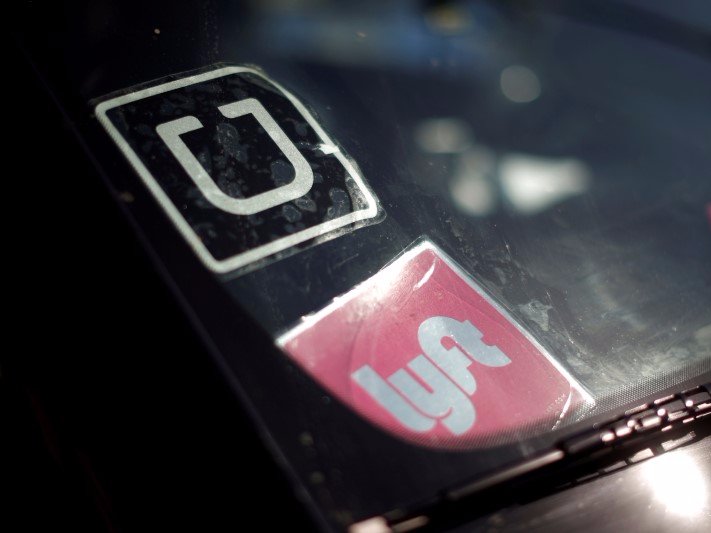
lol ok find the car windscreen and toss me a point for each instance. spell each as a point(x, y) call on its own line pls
point(457, 229)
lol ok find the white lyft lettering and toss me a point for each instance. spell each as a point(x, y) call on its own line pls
point(449, 380)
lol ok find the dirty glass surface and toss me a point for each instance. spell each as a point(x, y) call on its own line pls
point(556, 153)
point(562, 156)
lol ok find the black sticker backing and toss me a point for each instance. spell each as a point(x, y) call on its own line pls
point(238, 163)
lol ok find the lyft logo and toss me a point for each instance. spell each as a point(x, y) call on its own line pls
point(422, 351)
point(436, 385)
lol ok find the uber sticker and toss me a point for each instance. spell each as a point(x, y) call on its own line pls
point(423, 352)
point(240, 166)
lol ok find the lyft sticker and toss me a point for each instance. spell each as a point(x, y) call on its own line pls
point(423, 352)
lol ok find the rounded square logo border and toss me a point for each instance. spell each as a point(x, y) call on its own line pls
point(242, 259)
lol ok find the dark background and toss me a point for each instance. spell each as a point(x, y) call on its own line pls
point(112, 414)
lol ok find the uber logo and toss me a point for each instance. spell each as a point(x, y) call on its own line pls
point(238, 163)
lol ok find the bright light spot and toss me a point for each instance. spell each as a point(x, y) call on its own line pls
point(532, 184)
point(471, 187)
point(677, 484)
point(372, 525)
point(328, 148)
point(426, 277)
point(520, 84)
point(443, 135)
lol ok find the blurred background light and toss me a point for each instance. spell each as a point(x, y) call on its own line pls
point(443, 135)
point(448, 18)
point(472, 188)
point(533, 184)
point(520, 84)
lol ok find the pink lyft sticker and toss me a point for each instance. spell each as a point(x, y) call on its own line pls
point(420, 350)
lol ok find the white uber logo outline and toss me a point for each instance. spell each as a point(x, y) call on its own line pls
point(171, 131)
point(300, 185)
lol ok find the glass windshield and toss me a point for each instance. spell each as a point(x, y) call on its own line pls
point(562, 156)
point(494, 218)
